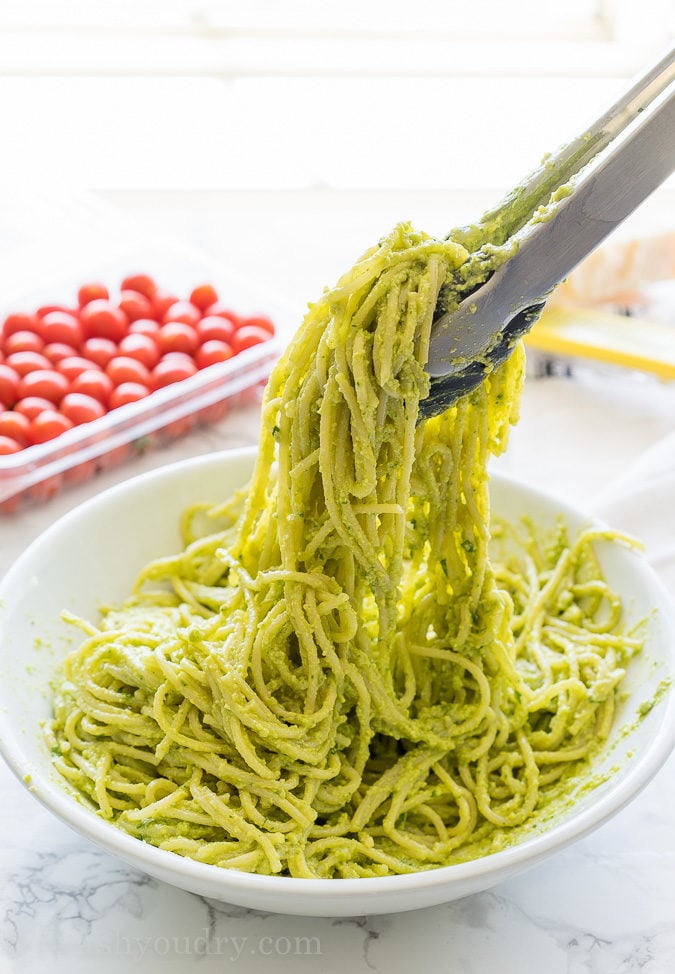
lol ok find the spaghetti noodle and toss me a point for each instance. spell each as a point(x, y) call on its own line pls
point(338, 682)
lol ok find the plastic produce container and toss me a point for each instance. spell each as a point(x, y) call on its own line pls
point(39, 471)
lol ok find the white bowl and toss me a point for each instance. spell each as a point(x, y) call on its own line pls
point(92, 556)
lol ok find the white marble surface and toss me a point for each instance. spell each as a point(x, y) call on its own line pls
point(606, 905)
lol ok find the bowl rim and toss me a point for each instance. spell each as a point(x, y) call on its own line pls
point(64, 804)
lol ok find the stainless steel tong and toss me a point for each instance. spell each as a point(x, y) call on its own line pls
point(611, 168)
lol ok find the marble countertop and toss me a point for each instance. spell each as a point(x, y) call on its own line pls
point(605, 905)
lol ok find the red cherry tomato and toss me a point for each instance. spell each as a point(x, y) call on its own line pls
point(127, 392)
point(171, 370)
point(181, 357)
point(20, 321)
point(123, 368)
point(215, 328)
point(135, 305)
point(16, 426)
point(99, 350)
point(9, 385)
point(92, 292)
point(101, 319)
point(211, 414)
point(8, 445)
point(247, 336)
point(203, 296)
point(56, 351)
point(46, 383)
point(12, 504)
point(25, 362)
point(260, 321)
point(80, 408)
point(176, 336)
point(75, 365)
point(32, 406)
point(212, 352)
point(58, 326)
point(183, 311)
point(141, 347)
point(179, 427)
point(23, 341)
point(80, 472)
point(220, 310)
point(141, 283)
point(144, 326)
point(93, 383)
point(47, 309)
point(48, 425)
point(161, 303)
point(45, 489)
point(114, 457)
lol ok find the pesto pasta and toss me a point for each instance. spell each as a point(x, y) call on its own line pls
point(336, 679)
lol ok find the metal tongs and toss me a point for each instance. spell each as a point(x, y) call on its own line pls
point(639, 129)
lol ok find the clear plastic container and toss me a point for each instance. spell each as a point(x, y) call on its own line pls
point(39, 471)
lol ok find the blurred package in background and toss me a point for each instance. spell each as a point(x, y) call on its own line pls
point(616, 310)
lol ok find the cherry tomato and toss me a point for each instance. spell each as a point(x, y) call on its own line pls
point(56, 351)
point(12, 504)
point(9, 385)
point(127, 392)
point(161, 303)
point(114, 457)
point(123, 368)
point(141, 283)
point(25, 362)
point(23, 341)
point(171, 370)
point(75, 365)
point(16, 426)
point(80, 472)
point(260, 321)
point(46, 488)
point(179, 427)
point(47, 309)
point(144, 326)
point(183, 311)
point(220, 310)
point(8, 445)
point(180, 357)
point(211, 414)
point(135, 305)
point(212, 352)
point(176, 336)
point(141, 347)
point(215, 328)
point(99, 350)
point(48, 425)
point(58, 326)
point(203, 296)
point(80, 408)
point(32, 406)
point(91, 292)
point(247, 336)
point(18, 322)
point(46, 383)
point(93, 383)
point(101, 319)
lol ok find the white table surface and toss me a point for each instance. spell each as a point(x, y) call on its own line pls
point(605, 905)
